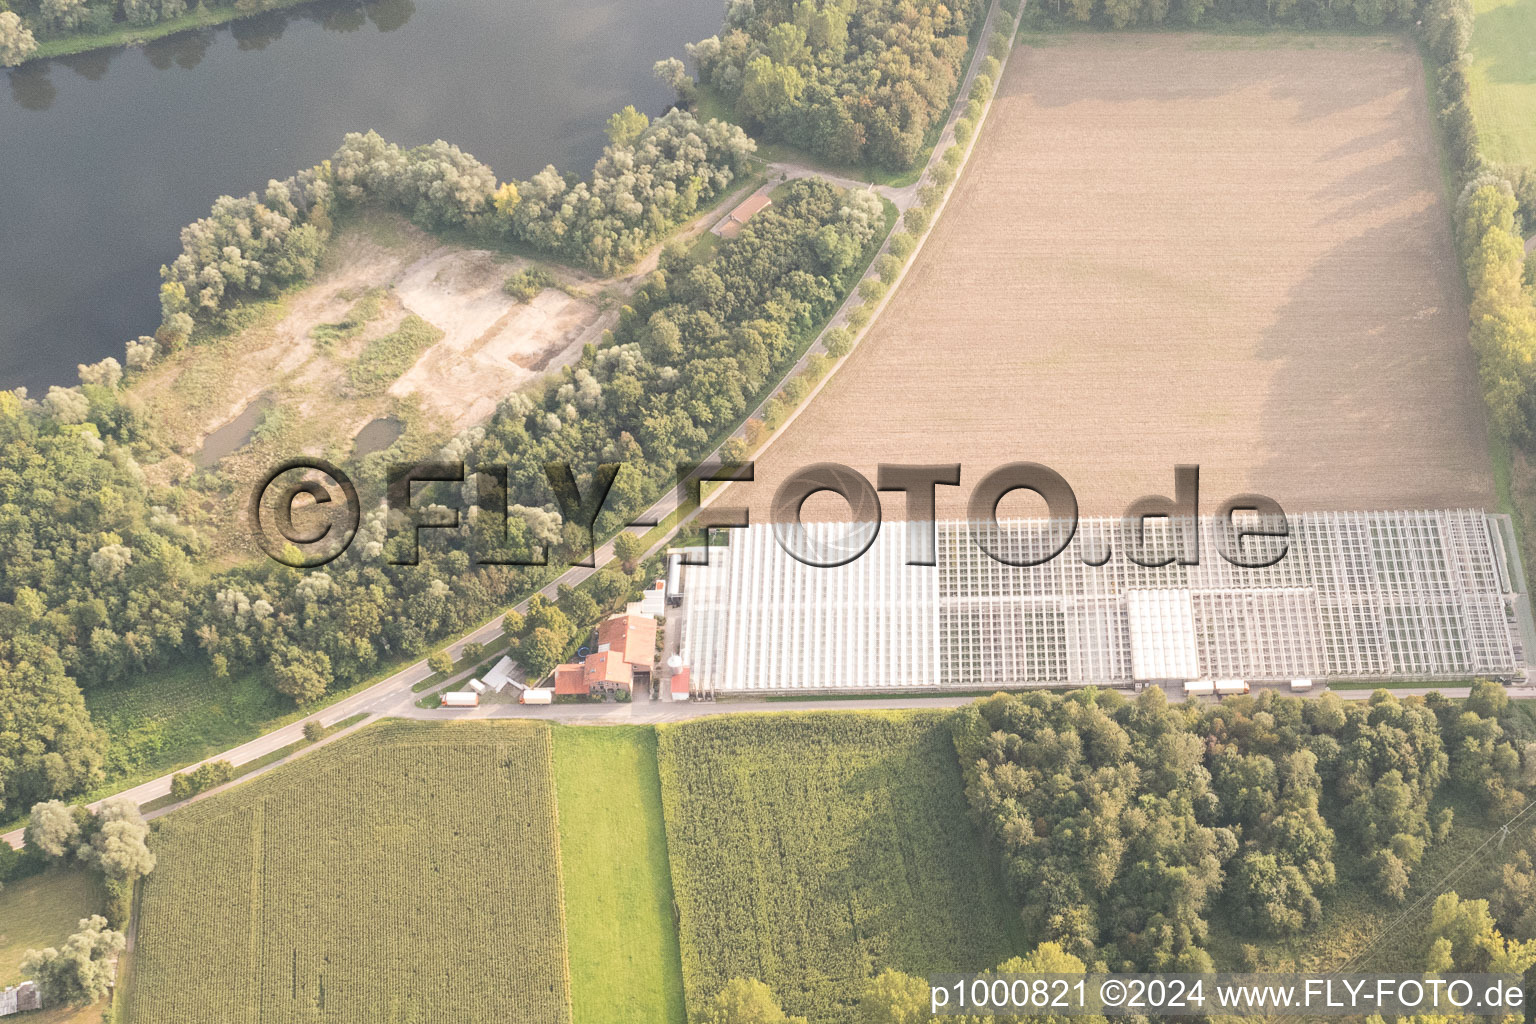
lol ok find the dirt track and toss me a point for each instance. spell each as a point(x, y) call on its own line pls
point(1179, 249)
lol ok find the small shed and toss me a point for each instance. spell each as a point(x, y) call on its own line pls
point(750, 207)
point(21, 998)
point(681, 683)
point(500, 675)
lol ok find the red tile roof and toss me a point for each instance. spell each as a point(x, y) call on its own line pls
point(680, 680)
point(632, 637)
point(606, 667)
point(749, 206)
point(568, 679)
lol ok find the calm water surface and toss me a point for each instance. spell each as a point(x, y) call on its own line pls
point(105, 156)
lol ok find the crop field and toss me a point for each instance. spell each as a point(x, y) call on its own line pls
point(812, 850)
point(407, 874)
point(618, 893)
point(1503, 79)
point(1173, 249)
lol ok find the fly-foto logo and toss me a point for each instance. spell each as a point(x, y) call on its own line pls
point(306, 513)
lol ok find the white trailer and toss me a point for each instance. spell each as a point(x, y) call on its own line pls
point(1199, 688)
point(537, 696)
point(477, 686)
point(1298, 685)
point(674, 580)
point(460, 699)
point(1227, 687)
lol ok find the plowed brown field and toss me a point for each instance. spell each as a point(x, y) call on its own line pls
point(1167, 248)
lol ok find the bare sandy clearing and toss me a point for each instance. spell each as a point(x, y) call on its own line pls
point(1166, 249)
point(492, 344)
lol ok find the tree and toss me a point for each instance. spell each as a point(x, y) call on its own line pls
point(673, 72)
point(746, 1001)
point(582, 607)
point(52, 829)
point(1462, 937)
point(63, 14)
point(313, 730)
point(629, 548)
point(80, 972)
point(48, 746)
point(441, 662)
point(472, 652)
point(626, 126)
point(512, 624)
point(303, 675)
point(16, 40)
point(540, 652)
point(119, 847)
point(894, 998)
point(769, 89)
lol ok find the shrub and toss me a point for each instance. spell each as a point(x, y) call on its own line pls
point(204, 777)
point(313, 730)
point(527, 283)
point(119, 902)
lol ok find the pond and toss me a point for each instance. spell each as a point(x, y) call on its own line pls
point(232, 436)
point(104, 157)
point(377, 435)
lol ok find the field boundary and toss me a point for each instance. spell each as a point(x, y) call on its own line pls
point(708, 494)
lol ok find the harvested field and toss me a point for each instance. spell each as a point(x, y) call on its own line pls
point(407, 873)
point(1171, 249)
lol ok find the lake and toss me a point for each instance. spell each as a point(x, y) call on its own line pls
point(105, 156)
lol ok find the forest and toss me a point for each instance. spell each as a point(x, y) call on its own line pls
point(852, 82)
point(1124, 825)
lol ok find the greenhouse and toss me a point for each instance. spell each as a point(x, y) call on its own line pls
point(1355, 596)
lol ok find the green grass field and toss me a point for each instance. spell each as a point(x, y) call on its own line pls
point(407, 874)
point(618, 892)
point(43, 911)
point(1503, 79)
point(812, 850)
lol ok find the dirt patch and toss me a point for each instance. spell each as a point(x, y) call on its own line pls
point(1169, 251)
point(492, 344)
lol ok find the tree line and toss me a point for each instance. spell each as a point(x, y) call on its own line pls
point(853, 83)
point(651, 177)
point(1310, 14)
